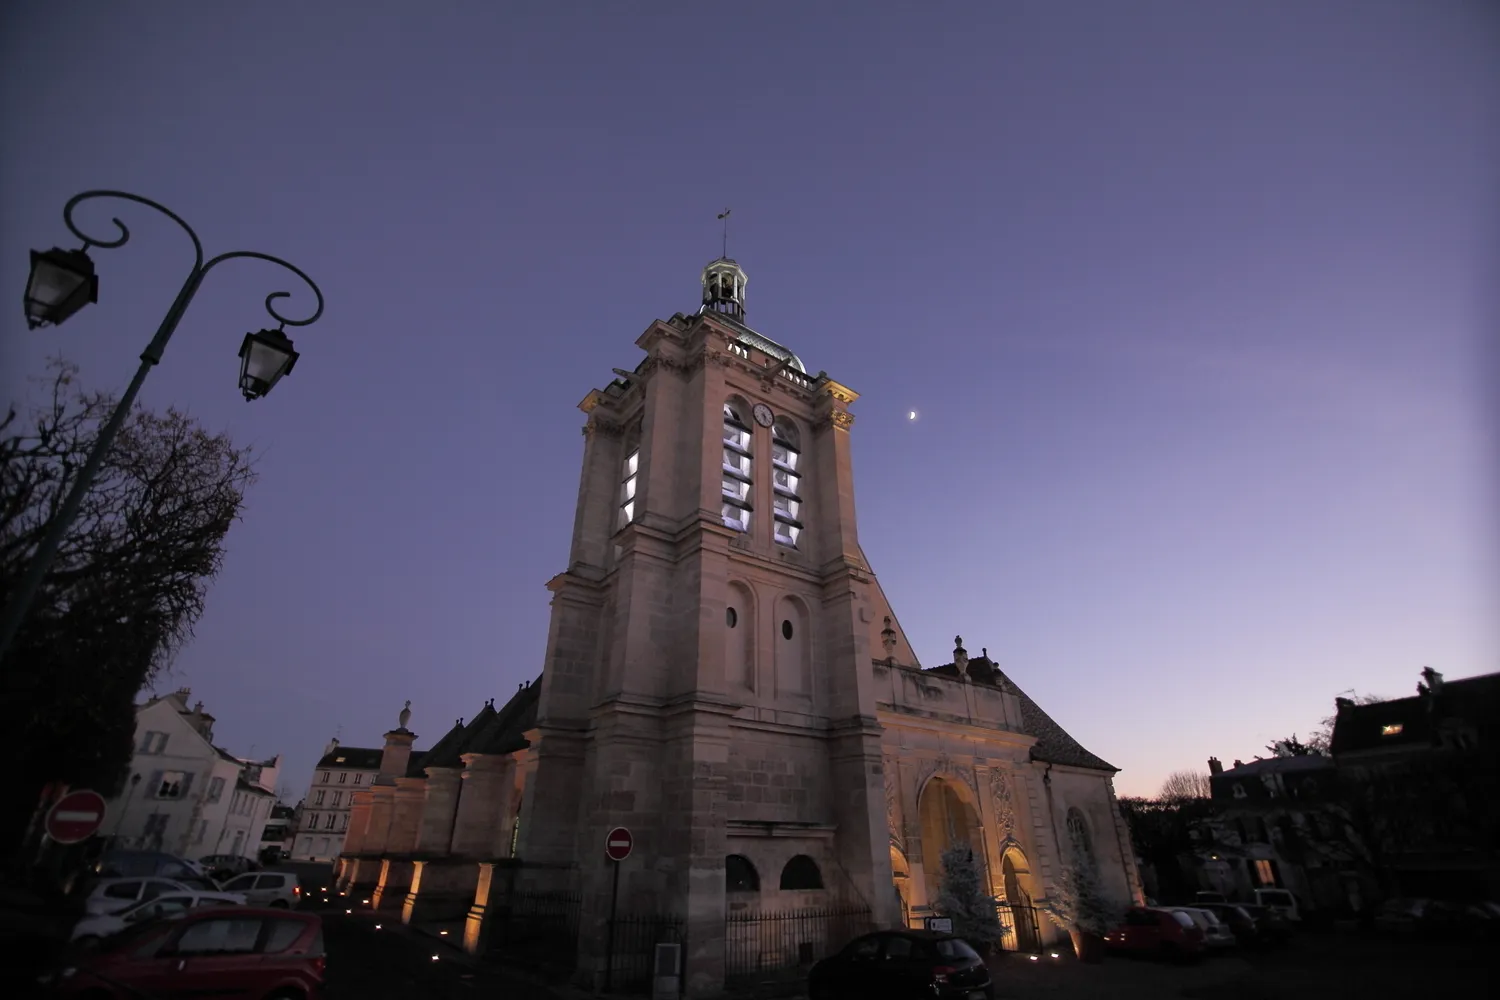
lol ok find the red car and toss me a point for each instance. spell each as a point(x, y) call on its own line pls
point(1150, 931)
point(232, 951)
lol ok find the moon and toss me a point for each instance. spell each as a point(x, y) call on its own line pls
point(911, 415)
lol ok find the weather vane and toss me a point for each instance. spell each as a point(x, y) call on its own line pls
point(724, 217)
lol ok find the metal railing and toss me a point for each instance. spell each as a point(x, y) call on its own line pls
point(756, 943)
point(635, 938)
point(538, 930)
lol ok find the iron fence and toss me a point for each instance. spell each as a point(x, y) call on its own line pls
point(1020, 930)
point(635, 938)
point(757, 943)
point(538, 929)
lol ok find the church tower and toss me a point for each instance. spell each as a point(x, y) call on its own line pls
point(707, 682)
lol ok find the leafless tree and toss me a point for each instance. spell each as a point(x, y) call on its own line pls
point(1321, 740)
point(1185, 785)
point(127, 586)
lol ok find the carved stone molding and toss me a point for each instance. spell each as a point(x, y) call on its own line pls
point(842, 419)
point(893, 805)
point(945, 765)
point(1004, 801)
point(601, 425)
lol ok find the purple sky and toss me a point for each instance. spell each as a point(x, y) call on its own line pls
point(1191, 299)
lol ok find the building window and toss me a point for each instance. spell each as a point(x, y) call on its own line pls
point(215, 789)
point(343, 776)
point(628, 482)
point(1263, 873)
point(1391, 729)
point(801, 873)
point(154, 742)
point(172, 785)
point(740, 875)
point(358, 777)
point(737, 479)
point(786, 481)
point(328, 823)
point(338, 798)
point(323, 777)
point(1078, 836)
point(318, 799)
point(344, 823)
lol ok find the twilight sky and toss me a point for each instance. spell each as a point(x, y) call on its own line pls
point(1192, 300)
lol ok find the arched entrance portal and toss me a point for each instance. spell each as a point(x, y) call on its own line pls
point(1015, 877)
point(948, 820)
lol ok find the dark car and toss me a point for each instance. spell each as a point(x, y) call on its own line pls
point(1271, 925)
point(902, 965)
point(223, 867)
point(231, 951)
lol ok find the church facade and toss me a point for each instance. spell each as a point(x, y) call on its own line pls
point(725, 678)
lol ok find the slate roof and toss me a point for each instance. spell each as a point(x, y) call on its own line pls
point(1472, 702)
point(355, 758)
point(492, 731)
point(1053, 744)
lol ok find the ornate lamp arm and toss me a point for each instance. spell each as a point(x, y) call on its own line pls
point(41, 561)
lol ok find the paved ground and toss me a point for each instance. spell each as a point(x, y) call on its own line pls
point(1318, 966)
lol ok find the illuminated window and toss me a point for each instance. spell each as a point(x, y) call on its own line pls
point(1263, 873)
point(628, 480)
point(1391, 729)
point(735, 490)
point(786, 500)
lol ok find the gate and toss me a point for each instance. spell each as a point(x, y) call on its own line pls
point(1021, 931)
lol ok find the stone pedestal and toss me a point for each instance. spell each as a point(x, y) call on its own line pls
point(487, 786)
point(441, 889)
point(435, 836)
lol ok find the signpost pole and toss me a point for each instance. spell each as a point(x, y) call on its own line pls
point(609, 940)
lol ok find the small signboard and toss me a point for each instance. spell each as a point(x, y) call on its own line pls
point(618, 844)
point(76, 817)
point(943, 925)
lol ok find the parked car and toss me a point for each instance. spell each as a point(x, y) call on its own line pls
point(1155, 931)
point(167, 906)
point(902, 964)
point(120, 864)
point(111, 895)
point(1281, 901)
point(1216, 936)
point(213, 952)
point(1273, 927)
point(1208, 897)
point(267, 888)
point(1247, 930)
point(223, 867)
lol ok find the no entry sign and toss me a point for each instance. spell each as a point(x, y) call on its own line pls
point(618, 844)
point(76, 816)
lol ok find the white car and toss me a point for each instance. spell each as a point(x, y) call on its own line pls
point(1216, 934)
point(280, 889)
point(111, 895)
point(167, 906)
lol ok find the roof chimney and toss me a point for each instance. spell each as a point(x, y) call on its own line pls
point(1214, 767)
point(1239, 763)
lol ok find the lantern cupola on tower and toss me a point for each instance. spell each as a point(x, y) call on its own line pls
point(724, 288)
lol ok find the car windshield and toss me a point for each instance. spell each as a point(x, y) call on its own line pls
point(955, 948)
point(240, 882)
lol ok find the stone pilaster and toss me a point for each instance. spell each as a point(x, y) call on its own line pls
point(480, 805)
point(439, 808)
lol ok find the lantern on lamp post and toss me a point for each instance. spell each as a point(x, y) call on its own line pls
point(61, 283)
point(264, 358)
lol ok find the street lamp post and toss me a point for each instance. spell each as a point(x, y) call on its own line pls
point(61, 283)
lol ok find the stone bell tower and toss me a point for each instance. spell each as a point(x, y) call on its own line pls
point(707, 681)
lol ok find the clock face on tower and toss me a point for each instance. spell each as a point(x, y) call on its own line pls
point(763, 415)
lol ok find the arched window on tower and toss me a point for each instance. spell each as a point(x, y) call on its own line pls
point(736, 477)
point(786, 478)
point(628, 480)
point(801, 873)
point(740, 875)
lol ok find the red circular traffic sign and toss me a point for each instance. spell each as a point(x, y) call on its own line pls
point(76, 816)
point(618, 844)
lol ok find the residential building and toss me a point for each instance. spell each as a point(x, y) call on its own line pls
point(324, 817)
point(277, 838)
point(185, 795)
